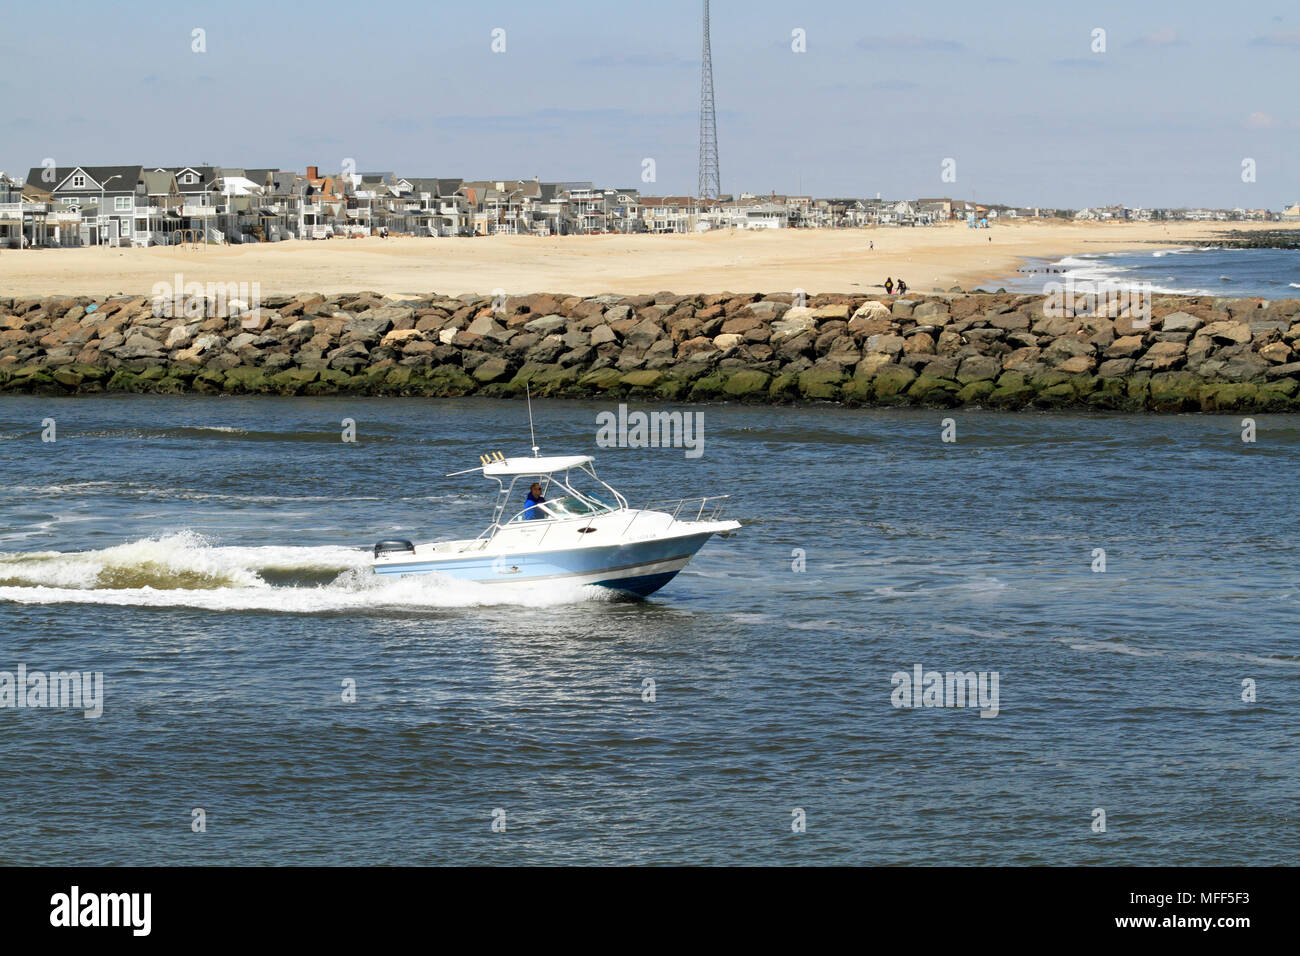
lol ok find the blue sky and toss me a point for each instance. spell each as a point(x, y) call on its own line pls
point(1011, 91)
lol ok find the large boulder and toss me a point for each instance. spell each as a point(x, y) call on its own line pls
point(492, 370)
point(794, 321)
point(977, 368)
point(1180, 322)
point(1228, 333)
point(1166, 355)
point(747, 384)
point(643, 334)
point(886, 344)
point(548, 324)
point(821, 382)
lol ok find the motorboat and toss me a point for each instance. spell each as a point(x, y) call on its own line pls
point(580, 532)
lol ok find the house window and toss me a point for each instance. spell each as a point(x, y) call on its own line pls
point(189, 178)
point(122, 203)
point(78, 182)
point(126, 227)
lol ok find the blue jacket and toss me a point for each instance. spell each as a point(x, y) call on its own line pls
point(531, 510)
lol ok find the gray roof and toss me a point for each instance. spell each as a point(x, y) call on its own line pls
point(284, 184)
point(207, 176)
point(97, 176)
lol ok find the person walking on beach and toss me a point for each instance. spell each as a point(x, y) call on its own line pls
point(873, 245)
point(902, 287)
point(889, 286)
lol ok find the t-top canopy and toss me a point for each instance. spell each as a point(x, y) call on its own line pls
point(535, 466)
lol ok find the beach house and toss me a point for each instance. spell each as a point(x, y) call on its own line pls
point(199, 198)
point(662, 214)
point(104, 200)
point(624, 205)
point(11, 212)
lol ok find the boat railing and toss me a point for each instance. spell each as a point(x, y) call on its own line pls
point(682, 508)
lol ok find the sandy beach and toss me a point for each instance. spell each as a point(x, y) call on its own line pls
point(928, 258)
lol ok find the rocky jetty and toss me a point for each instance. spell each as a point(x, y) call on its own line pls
point(1260, 239)
point(994, 350)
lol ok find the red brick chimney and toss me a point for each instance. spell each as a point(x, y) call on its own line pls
point(313, 172)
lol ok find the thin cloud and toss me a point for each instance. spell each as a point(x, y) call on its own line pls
point(553, 119)
point(911, 43)
point(1261, 121)
point(1164, 37)
point(895, 86)
point(1079, 63)
point(637, 60)
point(1286, 40)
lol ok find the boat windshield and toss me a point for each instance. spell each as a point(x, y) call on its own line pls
point(565, 500)
point(576, 505)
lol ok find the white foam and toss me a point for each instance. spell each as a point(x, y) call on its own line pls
point(181, 559)
point(187, 571)
point(365, 591)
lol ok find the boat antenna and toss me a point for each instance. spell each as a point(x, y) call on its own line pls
point(528, 393)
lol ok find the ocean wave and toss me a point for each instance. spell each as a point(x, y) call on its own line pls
point(1170, 290)
point(1116, 647)
point(185, 570)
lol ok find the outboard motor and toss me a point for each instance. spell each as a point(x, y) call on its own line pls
point(395, 544)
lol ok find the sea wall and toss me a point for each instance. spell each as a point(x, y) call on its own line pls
point(993, 350)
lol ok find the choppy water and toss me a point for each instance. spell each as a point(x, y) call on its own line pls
point(204, 555)
point(1263, 273)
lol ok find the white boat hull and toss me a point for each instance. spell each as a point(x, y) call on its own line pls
point(645, 551)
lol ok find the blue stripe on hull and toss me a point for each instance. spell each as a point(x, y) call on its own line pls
point(642, 586)
point(553, 564)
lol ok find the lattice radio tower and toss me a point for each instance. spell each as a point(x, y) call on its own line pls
point(710, 178)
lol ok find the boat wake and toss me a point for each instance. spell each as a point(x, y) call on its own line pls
point(186, 570)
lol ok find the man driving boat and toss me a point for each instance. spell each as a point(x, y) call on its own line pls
point(535, 497)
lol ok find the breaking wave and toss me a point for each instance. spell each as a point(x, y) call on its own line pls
point(186, 570)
